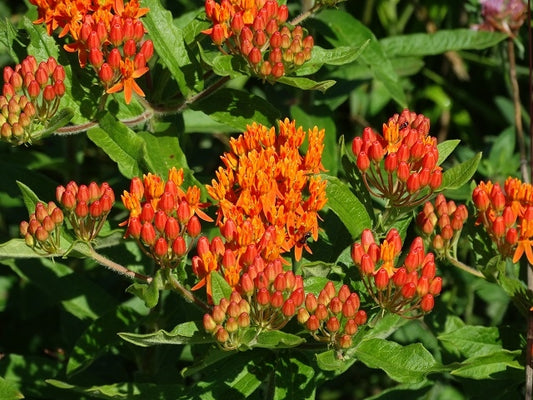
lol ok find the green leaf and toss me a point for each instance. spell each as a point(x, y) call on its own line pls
point(220, 289)
point(17, 248)
point(458, 175)
point(373, 56)
point(295, 378)
point(9, 391)
point(102, 333)
point(473, 341)
point(404, 364)
point(61, 118)
point(170, 46)
point(330, 361)
point(347, 207)
point(276, 340)
point(149, 293)
point(237, 108)
point(338, 56)
point(123, 390)
point(8, 35)
point(228, 65)
point(41, 46)
point(161, 153)
point(306, 83)
point(489, 366)
point(446, 148)
point(187, 333)
point(212, 356)
point(424, 44)
point(78, 295)
point(29, 197)
point(120, 143)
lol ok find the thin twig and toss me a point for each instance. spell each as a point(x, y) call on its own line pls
point(186, 293)
point(306, 14)
point(455, 262)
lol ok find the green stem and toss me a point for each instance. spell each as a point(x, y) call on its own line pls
point(306, 14)
point(455, 262)
point(186, 293)
point(120, 269)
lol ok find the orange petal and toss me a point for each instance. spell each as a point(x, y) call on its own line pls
point(199, 285)
point(518, 252)
point(529, 252)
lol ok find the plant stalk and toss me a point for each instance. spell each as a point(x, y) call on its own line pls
point(120, 269)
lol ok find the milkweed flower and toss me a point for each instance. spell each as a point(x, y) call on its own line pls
point(258, 31)
point(108, 36)
point(42, 232)
point(163, 216)
point(268, 193)
point(401, 164)
point(408, 289)
point(505, 16)
point(507, 216)
point(30, 97)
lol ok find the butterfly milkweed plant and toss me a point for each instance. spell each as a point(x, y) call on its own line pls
point(265, 199)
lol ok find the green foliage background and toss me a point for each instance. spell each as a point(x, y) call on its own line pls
point(60, 319)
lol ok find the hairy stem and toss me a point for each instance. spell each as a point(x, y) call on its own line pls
point(120, 269)
point(186, 293)
point(455, 262)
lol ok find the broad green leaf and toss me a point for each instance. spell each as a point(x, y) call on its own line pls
point(193, 27)
point(78, 295)
point(276, 340)
point(198, 121)
point(17, 248)
point(446, 148)
point(187, 333)
point(94, 341)
point(347, 207)
point(161, 153)
point(337, 56)
point(170, 46)
point(424, 44)
point(237, 108)
point(373, 56)
point(212, 356)
point(306, 83)
point(228, 65)
point(123, 390)
point(9, 391)
point(120, 143)
point(473, 341)
point(320, 117)
point(295, 378)
point(458, 175)
point(41, 46)
point(8, 34)
point(60, 119)
point(488, 366)
point(220, 289)
point(405, 364)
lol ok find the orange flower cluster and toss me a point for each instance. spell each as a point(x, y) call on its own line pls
point(257, 30)
point(31, 92)
point(402, 163)
point(408, 291)
point(507, 216)
point(107, 34)
point(268, 194)
point(163, 217)
point(334, 317)
point(266, 302)
point(43, 231)
point(442, 223)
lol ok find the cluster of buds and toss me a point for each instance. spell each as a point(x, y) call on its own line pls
point(258, 31)
point(31, 92)
point(86, 207)
point(43, 231)
point(505, 16)
point(442, 223)
point(400, 166)
point(333, 317)
point(409, 290)
point(269, 192)
point(507, 216)
point(164, 219)
point(108, 35)
point(266, 301)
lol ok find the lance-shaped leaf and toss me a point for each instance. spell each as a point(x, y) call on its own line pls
point(446, 148)
point(187, 333)
point(460, 174)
